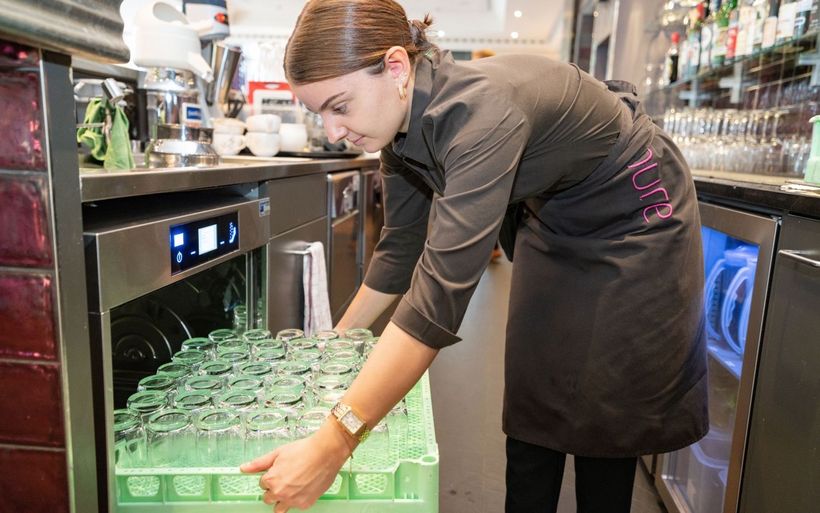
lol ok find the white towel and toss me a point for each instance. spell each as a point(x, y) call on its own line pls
point(314, 282)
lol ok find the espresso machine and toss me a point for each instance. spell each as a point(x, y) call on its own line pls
point(186, 72)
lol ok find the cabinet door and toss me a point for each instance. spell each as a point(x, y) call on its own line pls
point(782, 470)
point(285, 308)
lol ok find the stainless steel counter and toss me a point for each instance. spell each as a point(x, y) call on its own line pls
point(99, 184)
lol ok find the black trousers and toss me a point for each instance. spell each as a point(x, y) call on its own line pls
point(534, 474)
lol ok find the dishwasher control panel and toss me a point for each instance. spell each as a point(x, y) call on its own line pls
point(200, 241)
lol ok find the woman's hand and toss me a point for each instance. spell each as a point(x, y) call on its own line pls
point(300, 472)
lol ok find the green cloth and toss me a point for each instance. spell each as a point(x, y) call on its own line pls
point(108, 137)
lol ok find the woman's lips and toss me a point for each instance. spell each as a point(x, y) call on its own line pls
point(358, 141)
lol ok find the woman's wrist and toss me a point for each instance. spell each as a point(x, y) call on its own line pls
point(337, 442)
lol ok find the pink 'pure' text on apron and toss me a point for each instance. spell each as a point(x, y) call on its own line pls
point(657, 195)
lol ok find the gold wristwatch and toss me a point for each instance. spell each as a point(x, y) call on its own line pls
point(350, 421)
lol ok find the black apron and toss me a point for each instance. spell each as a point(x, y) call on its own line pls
point(606, 353)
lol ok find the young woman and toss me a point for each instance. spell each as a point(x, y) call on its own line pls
point(605, 354)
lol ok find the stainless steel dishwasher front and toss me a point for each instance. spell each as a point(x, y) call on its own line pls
point(344, 236)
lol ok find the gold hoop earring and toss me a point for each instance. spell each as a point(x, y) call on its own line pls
point(402, 91)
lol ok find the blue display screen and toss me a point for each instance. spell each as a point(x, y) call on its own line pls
point(197, 242)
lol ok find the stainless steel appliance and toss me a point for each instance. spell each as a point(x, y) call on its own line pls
point(738, 253)
point(344, 235)
point(782, 468)
point(160, 270)
point(372, 215)
point(298, 218)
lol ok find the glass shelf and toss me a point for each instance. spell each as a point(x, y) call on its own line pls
point(763, 60)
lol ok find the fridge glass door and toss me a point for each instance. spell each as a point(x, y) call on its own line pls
point(737, 247)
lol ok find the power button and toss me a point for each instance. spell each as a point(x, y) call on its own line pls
point(179, 257)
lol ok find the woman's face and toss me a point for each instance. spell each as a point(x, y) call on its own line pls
point(363, 108)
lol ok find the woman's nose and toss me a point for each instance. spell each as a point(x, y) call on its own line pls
point(335, 132)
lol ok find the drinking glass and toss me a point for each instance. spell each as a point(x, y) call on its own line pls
point(294, 368)
point(220, 438)
point(231, 345)
point(194, 402)
point(256, 369)
point(359, 336)
point(212, 384)
point(239, 401)
point(129, 439)
point(221, 334)
point(193, 358)
point(338, 368)
point(299, 344)
point(249, 384)
point(270, 355)
point(256, 335)
point(327, 399)
point(203, 344)
point(289, 334)
point(220, 369)
point(158, 382)
point(340, 344)
point(147, 402)
point(236, 358)
point(310, 421)
point(175, 370)
point(348, 356)
point(266, 345)
point(240, 319)
point(170, 438)
point(322, 337)
point(265, 430)
point(289, 402)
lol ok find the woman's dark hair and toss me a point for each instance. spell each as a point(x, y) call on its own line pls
point(336, 37)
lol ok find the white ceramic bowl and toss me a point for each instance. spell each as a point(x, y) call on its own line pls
point(264, 123)
point(294, 136)
point(228, 126)
point(262, 144)
point(228, 144)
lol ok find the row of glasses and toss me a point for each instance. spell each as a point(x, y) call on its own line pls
point(746, 141)
point(299, 378)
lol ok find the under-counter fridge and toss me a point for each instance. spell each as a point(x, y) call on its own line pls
point(738, 252)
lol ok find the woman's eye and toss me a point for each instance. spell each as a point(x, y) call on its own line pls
point(340, 109)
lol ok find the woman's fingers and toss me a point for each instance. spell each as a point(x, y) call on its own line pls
point(280, 508)
point(259, 464)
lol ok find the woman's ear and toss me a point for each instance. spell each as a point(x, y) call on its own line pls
point(397, 62)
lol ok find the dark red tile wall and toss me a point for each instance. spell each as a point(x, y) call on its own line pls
point(21, 146)
point(25, 236)
point(33, 470)
point(33, 481)
point(30, 404)
point(27, 317)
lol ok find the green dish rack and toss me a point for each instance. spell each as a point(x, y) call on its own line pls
point(409, 485)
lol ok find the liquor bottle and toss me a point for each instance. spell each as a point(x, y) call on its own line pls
point(670, 72)
point(785, 20)
point(801, 17)
point(745, 29)
point(731, 33)
point(761, 8)
point(707, 34)
point(696, 23)
point(814, 19)
point(722, 22)
point(770, 26)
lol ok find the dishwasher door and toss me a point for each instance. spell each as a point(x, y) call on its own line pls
point(344, 240)
point(286, 295)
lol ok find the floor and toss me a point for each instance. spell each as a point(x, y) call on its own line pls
point(467, 387)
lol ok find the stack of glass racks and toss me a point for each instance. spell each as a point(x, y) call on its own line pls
point(229, 398)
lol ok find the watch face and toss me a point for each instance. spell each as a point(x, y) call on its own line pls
point(352, 423)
